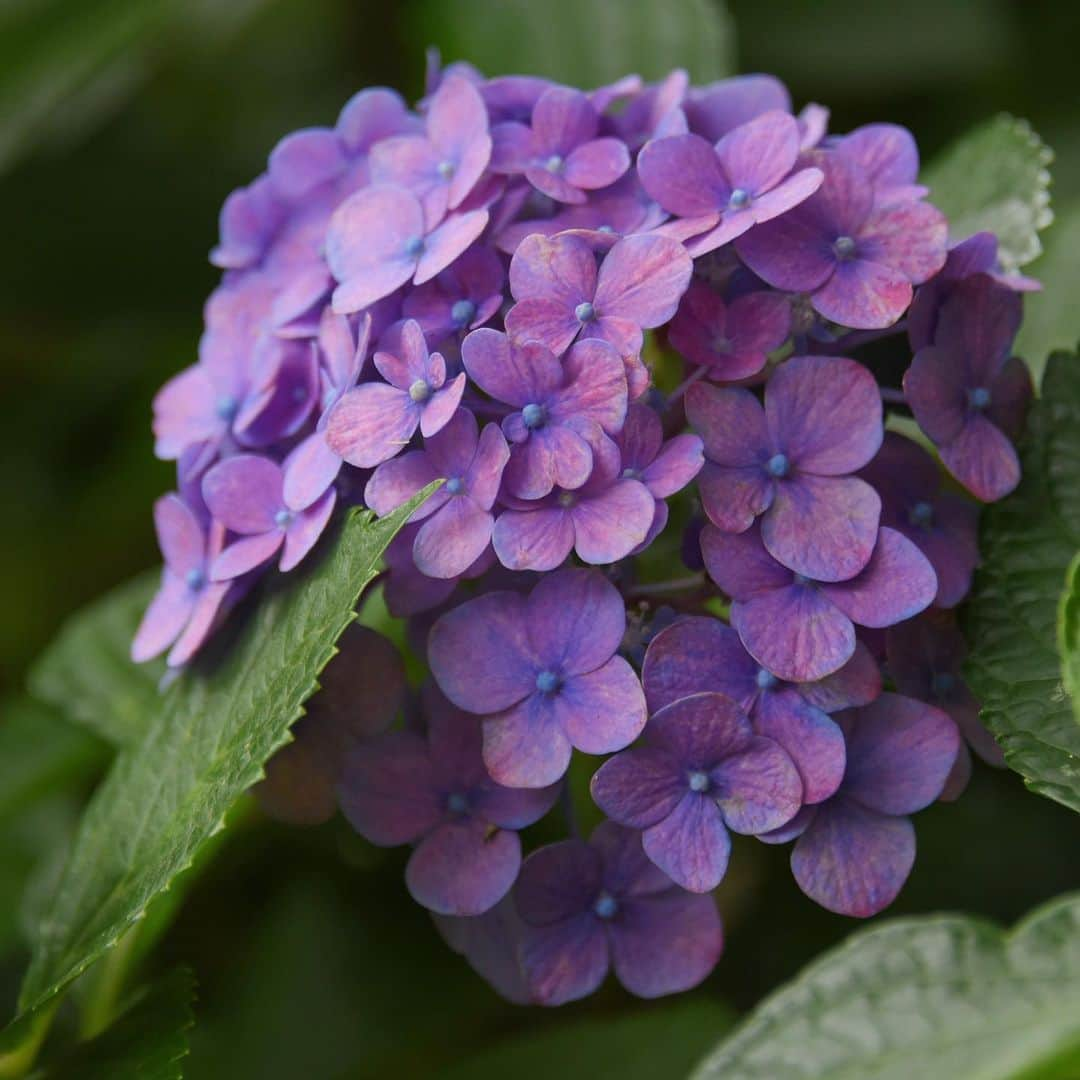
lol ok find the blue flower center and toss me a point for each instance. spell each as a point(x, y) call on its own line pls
point(548, 682)
point(533, 415)
point(445, 169)
point(414, 246)
point(943, 682)
point(463, 312)
point(978, 397)
point(921, 515)
point(698, 780)
point(605, 906)
point(778, 465)
point(604, 228)
point(739, 200)
point(844, 247)
point(195, 579)
point(721, 344)
point(457, 803)
point(554, 164)
point(226, 407)
point(420, 391)
point(567, 499)
point(765, 680)
point(455, 485)
point(584, 312)
point(630, 473)
point(283, 518)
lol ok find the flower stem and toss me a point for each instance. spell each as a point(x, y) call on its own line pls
point(697, 374)
point(662, 588)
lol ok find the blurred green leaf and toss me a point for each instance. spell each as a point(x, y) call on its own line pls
point(206, 744)
point(87, 672)
point(148, 1041)
point(1028, 541)
point(943, 997)
point(582, 42)
point(656, 1041)
point(1069, 634)
point(996, 177)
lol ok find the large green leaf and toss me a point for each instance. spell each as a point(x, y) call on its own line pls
point(1069, 634)
point(996, 177)
point(1028, 541)
point(582, 42)
point(206, 744)
point(87, 672)
point(941, 997)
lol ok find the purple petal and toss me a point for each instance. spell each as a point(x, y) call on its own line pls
point(638, 788)
point(885, 152)
point(716, 109)
point(244, 493)
point(180, 536)
point(484, 473)
point(793, 191)
point(489, 943)
point(682, 173)
point(559, 268)
point(858, 682)
point(680, 460)
point(210, 607)
point(983, 460)
point(562, 119)
point(534, 539)
point(372, 115)
point(310, 469)
point(184, 413)
point(791, 252)
point(304, 160)
point(597, 163)
point(305, 529)
point(564, 961)
point(758, 788)
point(396, 481)
point(372, 424)
point(910, 238)
point(595, 388)
point(164, 618)
point(526, 746)
point(814, 741)
point(246, 554)
point(863, 295)
point(690, 844)
point(543, 321)
point(732, 424)
point(557, 882)
point(607, 527)
point(513, 808)
point(604, 711)
point(700, 729)
point(740, 565)
point(642, 279)
point(553, 456)
point(515, 374)
point(437, 411)
point(733, 498)
point(452, 539)
point(757, 155)
point(448, 241)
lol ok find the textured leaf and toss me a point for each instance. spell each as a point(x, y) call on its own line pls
point(583, 42)
point(941, 997)
point(87, 672)
point(1028, 541)
point(996, 177)
point(1069, 634)
point(206, 744)
point(147, 1041)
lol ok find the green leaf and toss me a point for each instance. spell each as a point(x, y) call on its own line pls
point(206, 744)
point(1069, 634)
point(87, 672)
point(1028, 541)
point(582, 42)
point(943, 997)
point(996, 177)
point(147, 1041)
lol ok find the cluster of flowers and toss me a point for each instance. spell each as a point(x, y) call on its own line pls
point(485, 291)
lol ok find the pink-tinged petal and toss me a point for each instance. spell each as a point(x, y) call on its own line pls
point(852, 860)
point(683, 174)
point(716, 109)
point(310, 469)
point(372, 115)
point(448, 241)
point(526, 746)
point(560, 268)
point(607, 527)
point(534, 539)
point(396, 481)
point(825, 413)
point(740, 565)
point(388, 791)
point(410, 161)
point(597, 163)
point(959, 776)
point(733, 498)
point(480, 653)
point(576, 621)
point(791, 252)
point(513, 373)
point(858, 682)
point(900, 752)
point(982, 459)
point(595, 386)
point(731, 227)
point(164, 618)
point(823, 527)
point(935, 388)
point(638, 788)
point(910, 238)
point(450, 541)
point(304, 160)
point(372, 424)
point(863, 295)
point(205, 615)
point(602, 711)
point(305, 529)
point(814, 741)
point(732, 424)
point(456, 115)
point(565, 961)
point(758, 789)
point(642, 279)
point(439, 409)
point(885, 152)
point(184, 413)
point(788, 195)
point(680, 460)
point(372, 284)
point(759, 321)
point(553, 456)
point(405, 360)
point(467, 189)
point(562, 119)
point(244, 493)
point(306, 289)
point(513, 808)
point(180, 536)
point(558, 881)
point(489, 943)
point(690, 844)
point(545, 321)
point(485, 471)
point(795, 632)
point(757, 155)
point(463, 869)
point(665, 944)
point(554, 186)
point(897, 583)
point(698, 730)
point(246, 554)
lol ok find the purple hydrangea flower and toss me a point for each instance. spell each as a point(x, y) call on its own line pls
point(560, 154)
point(714, 110)
point(188, 604)
point(700, 772)
point(246, 494)
point(652, 111)
point(372, 423)
point(663, 467)
point(249, 218)
point(604, 520)
point(560, 406)
point(561, 294)
point(746, 179)
point(888, 158)
point(377, 240)
point(543, 672)
point(457, 519)
point(464, 296)
point(442, 166)
point(732, 340)
point(490, 943)
point(790, 460)
point(799, 629)
point(855, 850)
point(945, 527)
point(856, 259)
point(701, 655)
point(967, 394)
point(590, 907)
point(403, 788)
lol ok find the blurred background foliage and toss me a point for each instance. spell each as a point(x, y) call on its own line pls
point(123, 124)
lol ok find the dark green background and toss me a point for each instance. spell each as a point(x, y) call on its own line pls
point(122, 127)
